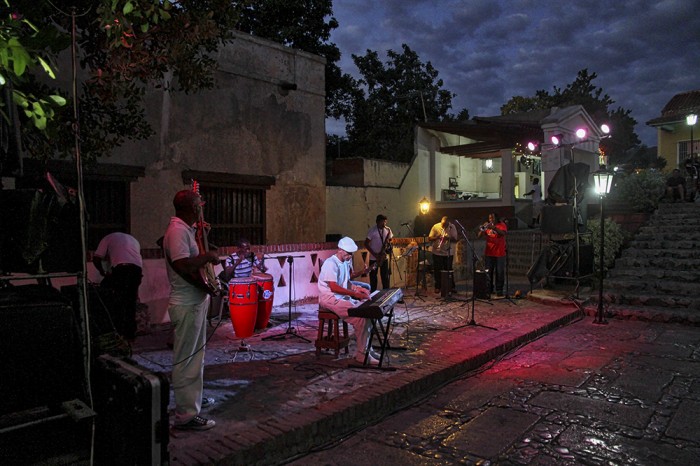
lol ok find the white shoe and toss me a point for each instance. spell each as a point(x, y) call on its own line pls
point(371, 360)
point(374, 354)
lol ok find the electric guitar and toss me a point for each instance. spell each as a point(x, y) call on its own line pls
point(205, 278)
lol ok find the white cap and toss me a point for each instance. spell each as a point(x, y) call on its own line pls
point(347, 244)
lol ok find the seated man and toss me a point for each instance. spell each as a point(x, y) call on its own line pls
point(675, 186)
point(337, 294)
point(241, 262)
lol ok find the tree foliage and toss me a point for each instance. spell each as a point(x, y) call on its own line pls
point(583, 92)
point(124, 46)
point(387, 102)
point(20, 46)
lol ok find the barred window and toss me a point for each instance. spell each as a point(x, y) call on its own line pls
point(235, 205)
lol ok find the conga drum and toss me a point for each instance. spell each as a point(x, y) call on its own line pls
point(243, 305)
point(266, 294)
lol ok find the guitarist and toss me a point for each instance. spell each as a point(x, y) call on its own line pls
point(187, 307)
point(378, 243)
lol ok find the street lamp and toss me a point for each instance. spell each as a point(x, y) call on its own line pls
point(424, 205)
point(691, 120)
point(603, 183)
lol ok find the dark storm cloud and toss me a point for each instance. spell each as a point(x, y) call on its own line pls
point(488, 51)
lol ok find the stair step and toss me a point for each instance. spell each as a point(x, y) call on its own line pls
point(664, 244)
point(635, 285)
point(669, 235)
point(689, 254)
point(661, 261)
point(653, 300)
point(649, 313)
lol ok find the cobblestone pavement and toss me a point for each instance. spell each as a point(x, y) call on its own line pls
point(623, 393)
point(277, 399)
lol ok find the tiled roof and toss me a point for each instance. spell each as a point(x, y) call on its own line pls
point(677, 108)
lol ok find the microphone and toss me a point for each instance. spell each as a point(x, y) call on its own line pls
point(405, 224)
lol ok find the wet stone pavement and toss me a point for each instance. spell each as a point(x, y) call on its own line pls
point(623, 393)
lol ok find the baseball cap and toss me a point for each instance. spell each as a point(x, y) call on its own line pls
point(347, 244)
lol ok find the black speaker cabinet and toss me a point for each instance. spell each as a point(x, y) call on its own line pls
point(38, 231)
point(585, 263)
point(41, 362)
point(482, 285)
point(557, 220)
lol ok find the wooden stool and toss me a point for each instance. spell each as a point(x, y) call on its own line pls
point(332, 339)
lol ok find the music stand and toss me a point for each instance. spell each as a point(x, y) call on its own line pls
point(291, 331)
point(470, 247)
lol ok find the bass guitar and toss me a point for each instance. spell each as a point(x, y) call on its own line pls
point(205, 279)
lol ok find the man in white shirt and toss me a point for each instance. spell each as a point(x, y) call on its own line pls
point(118, 259)
point(337, 294)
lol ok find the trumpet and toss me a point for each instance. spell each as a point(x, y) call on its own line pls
point(486, 226)
point(443, 239)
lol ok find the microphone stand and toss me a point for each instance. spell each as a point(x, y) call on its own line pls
point(291, 331)
point(472, 322)
point(507, 290)
point(416, 295)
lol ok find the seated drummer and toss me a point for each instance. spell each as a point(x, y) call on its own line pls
point(241, 262)
point(337, 294)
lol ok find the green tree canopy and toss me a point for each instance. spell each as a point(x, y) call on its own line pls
point(124, 46)
point(387, 102)
point(583, 92)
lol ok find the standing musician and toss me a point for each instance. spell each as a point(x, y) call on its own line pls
point(495, 252)
point(241, 262)
point(336, 293)
point(187, 307)
point(443, 235)
point(378, 243)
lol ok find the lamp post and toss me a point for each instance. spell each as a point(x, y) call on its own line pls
point(691, 120)
point(603, 183)
point(424, 205)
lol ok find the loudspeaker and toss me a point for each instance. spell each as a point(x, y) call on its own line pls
point(585, 262)
point(557, 219)
point(41, 362)
point(482, 284)
point(39, 231)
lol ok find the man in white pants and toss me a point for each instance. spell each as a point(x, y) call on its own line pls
point(187, 307)
point(337, 294)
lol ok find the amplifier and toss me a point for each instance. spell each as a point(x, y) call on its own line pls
point(42, 363)
point(482, 284)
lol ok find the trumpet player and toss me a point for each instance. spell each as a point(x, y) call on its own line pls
point(444, 238)
point(495, 252)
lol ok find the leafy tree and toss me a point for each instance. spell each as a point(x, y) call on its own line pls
point(21, 48)
point(125, 47)
point(387, 102)
point(583, 92)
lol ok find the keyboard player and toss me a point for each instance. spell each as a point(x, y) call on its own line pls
point(337, 294)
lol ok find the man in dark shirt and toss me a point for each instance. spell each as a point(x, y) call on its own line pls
point(675, 186)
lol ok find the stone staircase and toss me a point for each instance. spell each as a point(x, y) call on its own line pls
point(658, 273)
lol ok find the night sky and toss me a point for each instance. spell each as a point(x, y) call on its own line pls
point(486, 51)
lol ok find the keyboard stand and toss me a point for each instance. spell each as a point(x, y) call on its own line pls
point(383, 340)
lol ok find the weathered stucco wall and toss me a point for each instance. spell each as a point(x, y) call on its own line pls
point(248, 125)
point(392, 190)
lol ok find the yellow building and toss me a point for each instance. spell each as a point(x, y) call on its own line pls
point(675, 127)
